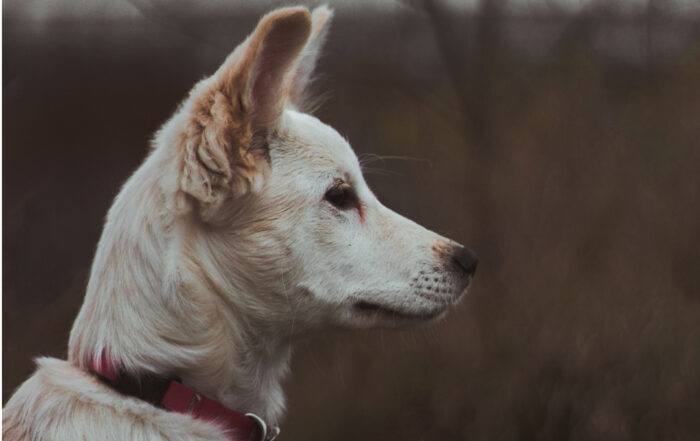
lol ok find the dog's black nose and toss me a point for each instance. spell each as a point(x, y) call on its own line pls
point(465, 259)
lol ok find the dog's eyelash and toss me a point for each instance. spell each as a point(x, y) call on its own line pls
point(342, 196)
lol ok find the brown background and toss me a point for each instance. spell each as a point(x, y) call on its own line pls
point(563, 148)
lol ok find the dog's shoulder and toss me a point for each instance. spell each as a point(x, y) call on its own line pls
point(62, 402)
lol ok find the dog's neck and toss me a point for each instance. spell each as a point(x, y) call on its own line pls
point(243, 374)
point(150, 311)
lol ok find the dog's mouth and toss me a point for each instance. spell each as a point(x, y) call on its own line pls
point(365, 308)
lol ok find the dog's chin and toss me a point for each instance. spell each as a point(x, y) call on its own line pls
point(365, 314)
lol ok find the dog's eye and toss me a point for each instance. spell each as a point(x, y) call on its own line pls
point(342, 196)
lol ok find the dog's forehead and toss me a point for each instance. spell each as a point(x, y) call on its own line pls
point(306, 138)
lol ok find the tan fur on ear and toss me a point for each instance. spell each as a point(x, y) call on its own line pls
point(260, 77)
point(306, 63)
point(226, 113)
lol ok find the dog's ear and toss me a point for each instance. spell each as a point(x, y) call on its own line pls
point(306, 63)
point(227, 115)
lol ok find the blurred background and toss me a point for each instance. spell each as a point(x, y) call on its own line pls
point(559, 139)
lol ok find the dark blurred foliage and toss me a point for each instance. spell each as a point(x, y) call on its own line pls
point(564, 149)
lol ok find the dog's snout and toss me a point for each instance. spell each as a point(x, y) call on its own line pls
point(465, 259)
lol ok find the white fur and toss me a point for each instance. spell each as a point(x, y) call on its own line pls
point(213, 260)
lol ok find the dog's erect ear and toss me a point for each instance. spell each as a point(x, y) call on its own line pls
point(306, 62)
point(226, 114)
point(260, 78)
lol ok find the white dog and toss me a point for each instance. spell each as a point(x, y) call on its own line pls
point(248, 225)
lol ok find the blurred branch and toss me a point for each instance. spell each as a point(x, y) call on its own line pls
point(473, 85)
point(169, 19)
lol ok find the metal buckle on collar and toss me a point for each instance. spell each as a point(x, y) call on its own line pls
point(196, 399)
point(267, 433)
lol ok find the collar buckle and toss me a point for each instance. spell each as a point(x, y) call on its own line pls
point(266, 433)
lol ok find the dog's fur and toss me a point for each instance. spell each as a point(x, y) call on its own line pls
point(248, 225)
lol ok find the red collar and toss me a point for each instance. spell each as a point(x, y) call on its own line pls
point(174, 396)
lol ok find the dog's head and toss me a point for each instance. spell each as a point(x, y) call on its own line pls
point(280, 221)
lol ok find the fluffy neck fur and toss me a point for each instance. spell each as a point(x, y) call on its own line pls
point(160, 300)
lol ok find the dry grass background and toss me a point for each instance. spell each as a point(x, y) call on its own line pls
point(584, 319)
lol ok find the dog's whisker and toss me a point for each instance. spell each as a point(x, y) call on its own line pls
point(380, 172)
point(368, 158)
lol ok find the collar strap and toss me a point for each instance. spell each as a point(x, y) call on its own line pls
point(172, 395)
